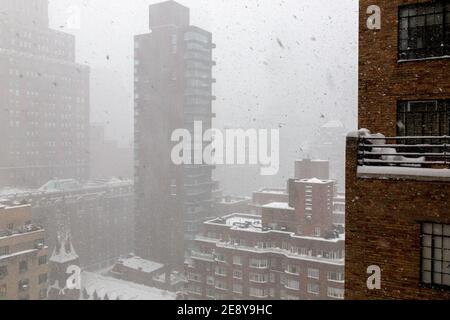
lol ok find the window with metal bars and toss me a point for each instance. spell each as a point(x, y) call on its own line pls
point(435, 264)
point(424, 30)
point(423, 119)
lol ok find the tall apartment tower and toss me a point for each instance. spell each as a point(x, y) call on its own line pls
point(397, 181)
point(44, 99)
point(173, 89)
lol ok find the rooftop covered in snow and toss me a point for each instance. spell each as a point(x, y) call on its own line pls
point(137, 263)
point(98, 285)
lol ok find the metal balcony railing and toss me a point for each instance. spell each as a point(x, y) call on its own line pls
point(22, 230)
point(414, 152)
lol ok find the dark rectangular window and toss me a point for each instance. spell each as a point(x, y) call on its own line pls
point(3, 291)
point(424, 30)
point(42, 260)
point(423, 118)
point(435, 245)
point(23, 266)
point(3, 272)
point(42, 278)
point(4, 251)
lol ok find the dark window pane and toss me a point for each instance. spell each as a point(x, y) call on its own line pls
point(423, 118)
point(425, 29)
point(435, 265)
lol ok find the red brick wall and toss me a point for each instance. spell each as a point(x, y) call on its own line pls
point(278, 264)
point(383, 228)
point(383, 216)
point(383, 81)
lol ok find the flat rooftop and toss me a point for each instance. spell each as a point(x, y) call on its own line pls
point(238, 221)
point(278, 205)
point(272, 190)
point(139, 264)
point(121, 290)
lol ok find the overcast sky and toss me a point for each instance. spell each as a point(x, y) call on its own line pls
point(290, 64)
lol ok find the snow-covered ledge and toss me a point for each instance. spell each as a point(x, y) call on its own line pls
point(402, 173)
point(389, 164)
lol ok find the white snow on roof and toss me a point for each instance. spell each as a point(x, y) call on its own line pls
point(404, 171)
point(119, 289)
point(140, 264)
point(315, 180)
point(237, 219)
point(240, 221)
point(16, 254)
point(64, 250)
point(272, 191)
point(278, 205)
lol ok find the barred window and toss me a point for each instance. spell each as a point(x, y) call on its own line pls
point(424, 30)
point(436, 254)
point(423, 118)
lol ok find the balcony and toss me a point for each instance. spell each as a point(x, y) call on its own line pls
point(202, 256)
point(20, 231)
point(206, 239)
point(412, 158)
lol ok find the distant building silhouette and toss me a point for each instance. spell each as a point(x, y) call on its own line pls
point(44, 99)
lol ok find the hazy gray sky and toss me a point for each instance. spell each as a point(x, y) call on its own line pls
point(290, 64)
point(258, 81)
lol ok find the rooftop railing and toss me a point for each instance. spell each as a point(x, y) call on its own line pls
point(22, 230)
point(413, 152)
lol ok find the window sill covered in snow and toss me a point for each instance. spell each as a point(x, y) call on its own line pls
point(402, 158)
point(401, 173)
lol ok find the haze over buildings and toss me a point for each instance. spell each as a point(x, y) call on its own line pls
point(297, 86)
point(91, 92)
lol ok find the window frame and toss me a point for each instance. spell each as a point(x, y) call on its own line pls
point(445, 54)
point(431, 284)
point(402, 114)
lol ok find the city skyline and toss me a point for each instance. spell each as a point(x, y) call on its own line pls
point(224, 150)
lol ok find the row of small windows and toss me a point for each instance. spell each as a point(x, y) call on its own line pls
point(203, 38)
point(435, 254)
point(237, 288)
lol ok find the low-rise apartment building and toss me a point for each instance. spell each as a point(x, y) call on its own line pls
point(23, 254)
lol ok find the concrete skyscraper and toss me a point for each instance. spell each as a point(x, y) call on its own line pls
point(173, 89)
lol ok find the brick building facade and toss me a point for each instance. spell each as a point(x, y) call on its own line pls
point(398, 188)
point(100, 214)
point(291, 251)
point(23, 255)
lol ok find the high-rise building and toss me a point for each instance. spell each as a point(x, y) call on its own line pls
point(329, 143)
point(23, 254)
point(102, 150)
point(173, 89)
point(397, 180)
point(293, 250)
point(44, 99)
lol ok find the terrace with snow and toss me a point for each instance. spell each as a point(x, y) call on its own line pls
point(253, 224)
point(410, 157)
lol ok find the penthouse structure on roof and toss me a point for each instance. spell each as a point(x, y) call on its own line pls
point(292, 250)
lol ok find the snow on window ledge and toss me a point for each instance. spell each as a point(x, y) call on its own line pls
point(403, 173)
